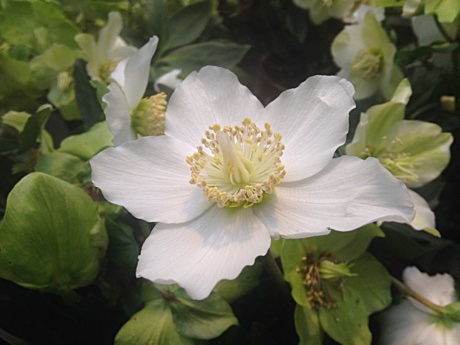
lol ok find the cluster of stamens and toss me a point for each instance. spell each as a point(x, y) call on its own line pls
point(317, 289)
point(237, 166)
point(368, 63)
point(149, 116)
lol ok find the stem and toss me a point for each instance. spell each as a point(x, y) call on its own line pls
point(274, 270)
point(419, 298)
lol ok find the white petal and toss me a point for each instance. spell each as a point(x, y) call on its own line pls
point(345, 195)
point(109, 34)
point(213, 95)
point(404, 325)
point(200, 253)
point(313, 120)
point(118, 115)
point(170, 80)
point(438, 289)
point(150, 178)
point(132, 74)
point(424, 216)
point(346, 45)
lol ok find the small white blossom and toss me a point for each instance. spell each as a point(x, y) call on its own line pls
point(411, 323)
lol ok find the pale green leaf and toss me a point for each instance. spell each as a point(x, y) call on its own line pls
point(51, 237)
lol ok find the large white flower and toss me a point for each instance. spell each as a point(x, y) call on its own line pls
point(229, 173)
point(411, 323)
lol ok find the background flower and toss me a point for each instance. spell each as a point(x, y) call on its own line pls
point(411, 323)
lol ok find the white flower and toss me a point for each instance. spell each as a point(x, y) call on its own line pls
point(365, 55)
point(411, 323)
point(229, 173)
point(424, 216)
point(110, 49)
point(130, 80)
point(170, 79)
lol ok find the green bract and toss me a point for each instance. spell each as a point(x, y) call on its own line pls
point(365, 55)
point(51, 237)
point(337, 304)
point(415, 152)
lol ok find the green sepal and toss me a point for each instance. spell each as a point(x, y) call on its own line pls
point(446, 10)
point(363, 294)
point(389, 3)
point(452, 311)
point(308, 326)
point(51, 237)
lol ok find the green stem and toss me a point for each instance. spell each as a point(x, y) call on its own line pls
point(419, 298)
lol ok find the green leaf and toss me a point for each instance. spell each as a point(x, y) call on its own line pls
point(34, 127)
point(205, 319)
point(85, 93)
point(152, 325)
point(307, 326)
point(193, 57)
point(389, 3)
point(86, 145)
point(367, 292)
point(187, 24)
point(248, 279)
point(51, 237)
point(446, 10)
point(60, 164)
point(452, 311)
point(123, 249)
point(156, 19)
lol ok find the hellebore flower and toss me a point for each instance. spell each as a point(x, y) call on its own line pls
point(411, 323)
point(416, 152)
point(365, 55)
point(110, 49)
point(127, 113)
point(229, 173)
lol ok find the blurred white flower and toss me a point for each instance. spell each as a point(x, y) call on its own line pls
point(229, 173)
point(320, 10)
point(365, 55)
point(110, 49)
point(411, 323)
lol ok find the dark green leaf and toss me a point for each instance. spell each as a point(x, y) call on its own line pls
point(188, 24)
point(85, 93)
point(34, 127)
point(193, 57)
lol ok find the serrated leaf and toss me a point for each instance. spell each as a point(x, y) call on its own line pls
point(152, 325)
point(51, 237)
point(87, 144)
point(307, 326)
point(86, 97)
point(187, 24)
point(194, 56)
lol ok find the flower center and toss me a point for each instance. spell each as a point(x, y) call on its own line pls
point(148, 118)
point(368, 63)
point(237, 165)
point(322, 276)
